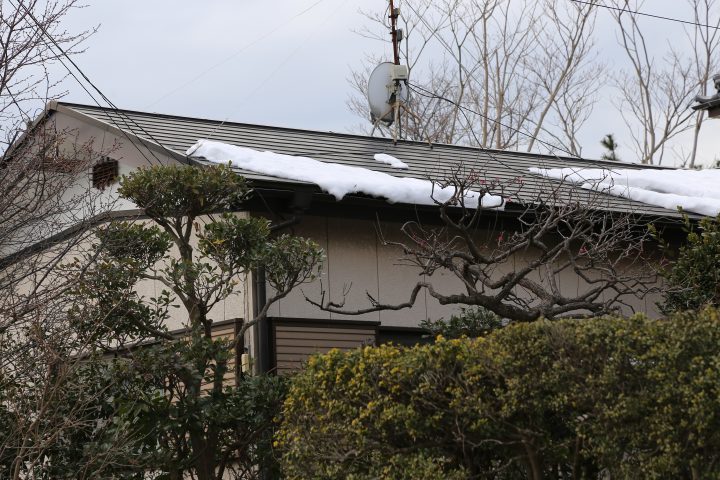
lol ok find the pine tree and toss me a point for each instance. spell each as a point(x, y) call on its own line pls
point(611, 145)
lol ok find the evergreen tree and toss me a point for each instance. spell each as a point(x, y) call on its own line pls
point(180, 407)
point(611, 145)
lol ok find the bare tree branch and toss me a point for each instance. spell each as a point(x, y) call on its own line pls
point(522, 272)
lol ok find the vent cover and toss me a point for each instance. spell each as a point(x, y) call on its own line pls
point(105, 173)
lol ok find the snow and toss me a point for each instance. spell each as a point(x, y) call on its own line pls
point(696, 191)
point(336, 179)
point(390, 160)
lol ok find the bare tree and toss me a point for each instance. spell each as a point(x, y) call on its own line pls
point(705, 39)
point(45, 205)
point(655, 91)
point(44, 218)
point(26, 56)
point(518, 269)
point(39, 165)
point(510, 72)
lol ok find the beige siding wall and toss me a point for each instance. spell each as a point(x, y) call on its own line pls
point(357, 259)
point(357, 263)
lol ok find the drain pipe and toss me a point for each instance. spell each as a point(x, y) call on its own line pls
point(262, 331)
point(263, 361)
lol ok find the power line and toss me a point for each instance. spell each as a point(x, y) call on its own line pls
point(471, 74)
point(427, 93)
point(659, 17)
point(289, 57)
point(477, 140)
point(120, 114)
point(236, 53)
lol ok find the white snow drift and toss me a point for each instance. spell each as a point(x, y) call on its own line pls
point(336, 179)
point(390, 160)
point(696, 191)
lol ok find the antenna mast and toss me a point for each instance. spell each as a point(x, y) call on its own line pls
point(388, 86)
point(394, 13)
point(396, 39)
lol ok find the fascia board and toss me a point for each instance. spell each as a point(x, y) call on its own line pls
point(114, 129)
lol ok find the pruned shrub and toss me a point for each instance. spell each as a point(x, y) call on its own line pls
point(633, 398)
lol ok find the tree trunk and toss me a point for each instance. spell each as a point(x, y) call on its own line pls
point(533, 461)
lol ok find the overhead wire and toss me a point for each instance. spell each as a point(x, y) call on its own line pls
point(427, 93)
point(294, 52)
point(282, 62)
point(126, 121)
point(644, 14)
point(450, 50)
point(268, 34)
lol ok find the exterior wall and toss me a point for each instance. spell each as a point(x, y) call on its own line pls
point(357, 259)
point(130, 157)
point(357, 262)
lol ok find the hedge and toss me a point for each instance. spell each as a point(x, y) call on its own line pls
point(633, 398)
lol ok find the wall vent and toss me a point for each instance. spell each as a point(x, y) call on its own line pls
point(105, 173)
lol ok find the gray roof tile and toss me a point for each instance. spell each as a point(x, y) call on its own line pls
point(179, 133)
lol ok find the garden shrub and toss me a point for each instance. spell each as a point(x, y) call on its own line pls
point(634, 398)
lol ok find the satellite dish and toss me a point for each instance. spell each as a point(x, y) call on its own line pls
point(386, 86)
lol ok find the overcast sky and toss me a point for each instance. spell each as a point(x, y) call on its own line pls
point(282, 63)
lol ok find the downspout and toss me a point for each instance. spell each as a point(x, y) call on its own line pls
point(262, 331)
point(262, 345)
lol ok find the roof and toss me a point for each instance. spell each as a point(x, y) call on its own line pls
point(175, 134)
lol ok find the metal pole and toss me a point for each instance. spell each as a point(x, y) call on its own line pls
point(396, 60)
point(393, 32)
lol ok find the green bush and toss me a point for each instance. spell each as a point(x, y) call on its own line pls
point(470, 322)
point(570, 399)
point(693, 280)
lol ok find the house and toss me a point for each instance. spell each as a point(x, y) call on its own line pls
point(347, 229)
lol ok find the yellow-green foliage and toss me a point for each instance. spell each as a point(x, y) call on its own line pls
point(566, 399)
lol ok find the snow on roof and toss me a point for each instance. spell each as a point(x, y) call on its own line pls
point(336, 179)
point(390, 160)
point(696, 191)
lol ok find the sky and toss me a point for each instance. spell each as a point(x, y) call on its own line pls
point(282, 63)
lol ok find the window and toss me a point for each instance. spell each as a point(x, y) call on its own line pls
point(105, 173)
